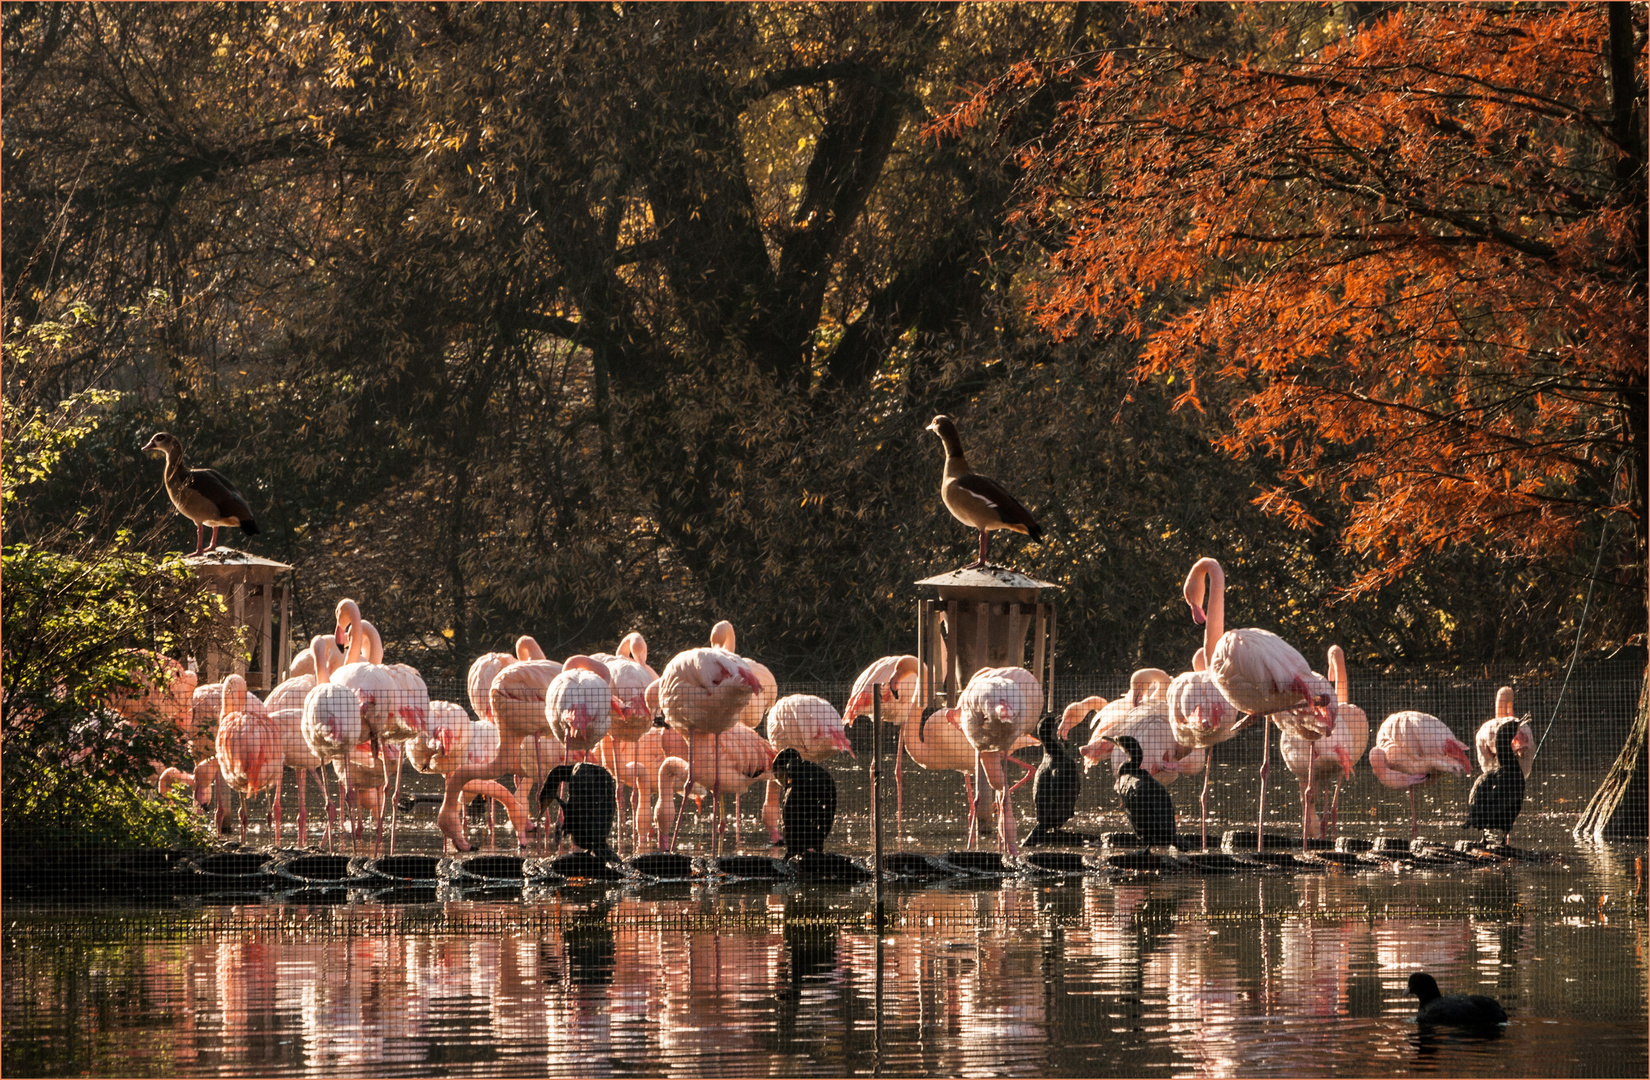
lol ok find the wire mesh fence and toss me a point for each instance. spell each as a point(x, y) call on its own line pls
point(552, 765)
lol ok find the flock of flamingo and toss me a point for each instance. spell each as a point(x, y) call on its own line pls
point(692, 731)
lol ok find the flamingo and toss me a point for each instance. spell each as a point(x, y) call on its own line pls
point(998, 707)
point(1199, 714)
point(479, 680)
point(1334, 755)
point(642, 770)
point(1148, 723)
point(516, 702)
point(248, 745)
point(1262, 675)
point(744, 759)
point(631, 718)
point(286, 706)
point(206, 706)
point(1413, 748)
point(703, 693)
point(937, 743)
point(633, 646)
point(905, 687)
point(454, 739)
point(732, 764)
point(1523, 744)
point(722, 637)
point(810, 726)
point(578, 705)
point(394, 700)
point(330, 725)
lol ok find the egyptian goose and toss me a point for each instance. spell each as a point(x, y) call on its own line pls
point(978, 500)
point(201, 495)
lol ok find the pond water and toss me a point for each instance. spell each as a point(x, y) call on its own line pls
point(1258, 974)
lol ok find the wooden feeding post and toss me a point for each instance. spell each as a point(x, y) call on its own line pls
point(255, 601)
point(984, 618)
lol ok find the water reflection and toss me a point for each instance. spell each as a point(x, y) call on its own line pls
point(1246, 975)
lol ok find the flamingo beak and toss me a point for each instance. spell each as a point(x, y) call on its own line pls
point(1522, 740)
point(1197, 614)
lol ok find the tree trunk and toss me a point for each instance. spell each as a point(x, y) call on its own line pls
point(1620, 808)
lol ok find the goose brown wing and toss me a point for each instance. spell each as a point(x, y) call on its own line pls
point(211, 485)
point(1008, 508)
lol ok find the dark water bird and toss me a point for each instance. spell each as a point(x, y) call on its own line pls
point(1057, 783)
point(1145, 801)
point(978, 500)
point(201, 495)
point(809, 809)
point(1461, 1010)
point(588, 806)
point(1497, 795)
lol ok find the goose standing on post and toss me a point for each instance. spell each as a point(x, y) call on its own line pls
point(978, 500)
point(201, 495)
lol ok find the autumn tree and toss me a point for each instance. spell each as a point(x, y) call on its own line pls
point(1418, 250)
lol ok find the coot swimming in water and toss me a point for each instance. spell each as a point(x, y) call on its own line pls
point(809, 808)
point(1461, 1010)
point(1058, 781)
point(1497, 795)
point(1145, 801)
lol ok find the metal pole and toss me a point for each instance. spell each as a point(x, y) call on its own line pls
point(876, 803)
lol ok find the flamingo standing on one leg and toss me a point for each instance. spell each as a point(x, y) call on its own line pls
point(810, 726)
point(1000, 706)
point(1413, 748)
point(703, 693)
point(248, 746)
point(1262, 675)
point(1334, 756)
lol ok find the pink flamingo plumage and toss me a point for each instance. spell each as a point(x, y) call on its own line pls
point(1414, 748)
point(1523, 742)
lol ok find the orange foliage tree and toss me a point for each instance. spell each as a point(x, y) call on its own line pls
point(1421, 248)
point(1417, 252)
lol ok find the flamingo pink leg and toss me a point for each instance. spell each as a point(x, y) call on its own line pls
point(1265, 769)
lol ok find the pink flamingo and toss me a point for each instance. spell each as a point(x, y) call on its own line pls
point(1523, 742)
point(811, 726)
point(631, 718)
point(453, 740)
point(1261, 674)
point(703, 693)
point(1413, 748)
point(526, 749)
point(640, 771)
point(722, 637)
point(1333, 756)
point(249, 745)
point(579, 705)
point(905, 689)
point(1000, 706)
point(286, 707)
point(936, 742)
point(479, 680)
point(741, 759)
point(1199, 714)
